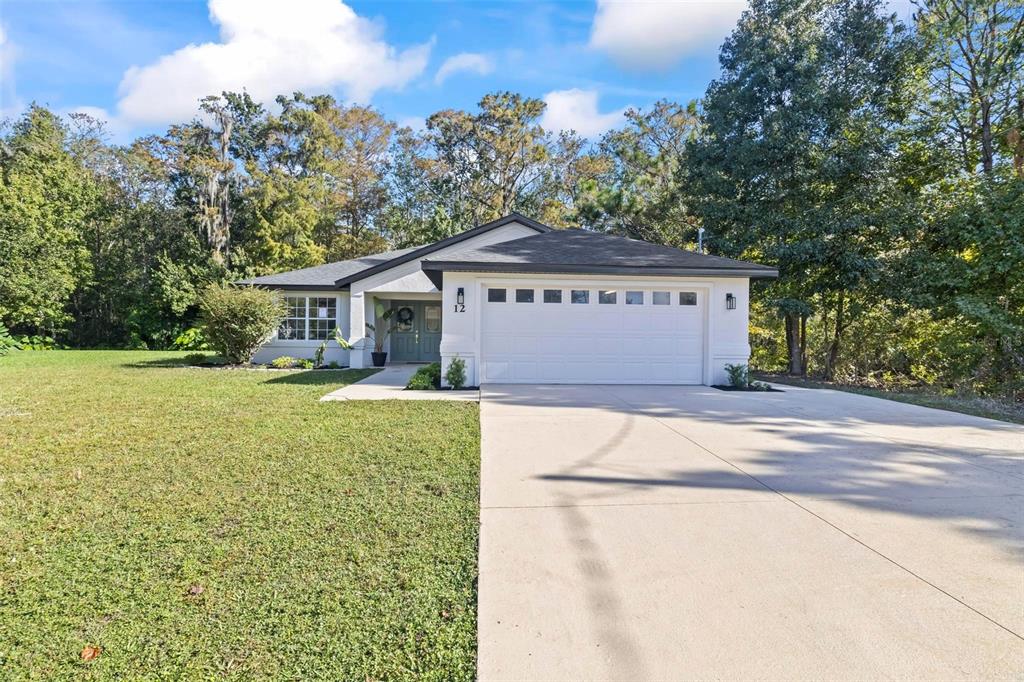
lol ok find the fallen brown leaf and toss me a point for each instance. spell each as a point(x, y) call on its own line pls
point(196, 590)
point(90, 652)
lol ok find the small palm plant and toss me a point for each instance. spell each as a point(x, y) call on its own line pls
point(739, 376)
point(383, 316)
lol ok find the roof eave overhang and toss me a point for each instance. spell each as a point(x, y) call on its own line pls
point(292, 287)
point(434, 269)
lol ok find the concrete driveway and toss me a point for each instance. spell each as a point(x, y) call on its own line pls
point(642, 532)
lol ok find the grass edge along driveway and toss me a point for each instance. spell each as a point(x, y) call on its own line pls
point(195, 523)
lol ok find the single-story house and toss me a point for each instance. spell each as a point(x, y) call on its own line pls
point(521, 302)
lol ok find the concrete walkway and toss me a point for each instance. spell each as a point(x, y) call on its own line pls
point(390, 383)
point(686, 533)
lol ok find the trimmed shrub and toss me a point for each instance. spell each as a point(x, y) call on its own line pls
point(238, 320)
point(283, 362)
point(426, 378)
point(333, 364)
point(305, 363)
point(456, 374)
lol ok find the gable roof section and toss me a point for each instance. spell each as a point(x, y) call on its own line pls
point(413, 254)
point(343, 273)
point(576, 251)
point(324, 276)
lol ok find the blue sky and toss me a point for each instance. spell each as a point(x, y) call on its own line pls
point(142, 64)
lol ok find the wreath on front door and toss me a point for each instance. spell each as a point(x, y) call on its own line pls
point(405, 316)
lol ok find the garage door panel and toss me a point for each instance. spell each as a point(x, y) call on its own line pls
point(592, 343)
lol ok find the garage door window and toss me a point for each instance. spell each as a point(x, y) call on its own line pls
point(580, 296)
point(495, 295)
point(662, 298)
point(552, 295)
point(634, 298)
point(687, 298)
point(607, 297)
point(524, 295)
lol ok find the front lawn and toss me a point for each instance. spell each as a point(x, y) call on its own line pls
point(204, 523)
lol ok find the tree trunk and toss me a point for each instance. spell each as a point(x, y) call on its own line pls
point(987, 143)
point(803, 345)
point(793, 344)
point(833, 350)
point(1016, 138)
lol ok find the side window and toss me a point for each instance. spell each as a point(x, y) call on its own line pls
point(495, 295)
point(634, 298)
point(552, 295)
point(608, 297)
point(580, 296)
point(293, 326)
point(524, 295)
point(323, 314)
point(687, 298)
point(662, 298)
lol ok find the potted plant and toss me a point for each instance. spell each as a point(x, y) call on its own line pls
point(384, 316)
point(379, 337)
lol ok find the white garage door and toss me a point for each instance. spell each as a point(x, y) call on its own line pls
point(607, 335)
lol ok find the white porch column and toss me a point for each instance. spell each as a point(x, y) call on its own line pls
point(357, 357)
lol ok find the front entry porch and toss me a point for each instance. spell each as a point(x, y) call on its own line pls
point(416, 322)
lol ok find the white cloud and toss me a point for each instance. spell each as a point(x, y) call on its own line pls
point(577, 110)
point(647, 34)
point(470, 62)
point(268, 47)
point(10, 103)
point(417, 123)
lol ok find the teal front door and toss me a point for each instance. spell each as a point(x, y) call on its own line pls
point(417, 335)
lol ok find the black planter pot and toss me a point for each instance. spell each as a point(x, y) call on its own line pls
point(379, 359)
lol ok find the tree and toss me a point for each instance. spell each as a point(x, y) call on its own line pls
point(573, 177)
point(640, 195)
point(966, 264)
point(318, 186)
point(798, 134)
point(492, 162)
point(203, 160)
point(47, 202)
point(976, 50)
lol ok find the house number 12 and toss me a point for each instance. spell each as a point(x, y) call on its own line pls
point(460, 307)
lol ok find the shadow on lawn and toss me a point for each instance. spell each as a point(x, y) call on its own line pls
point(158, 362)
point(322, 377)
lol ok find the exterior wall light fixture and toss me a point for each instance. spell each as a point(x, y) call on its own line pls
point(730, 302)
point(460, 296)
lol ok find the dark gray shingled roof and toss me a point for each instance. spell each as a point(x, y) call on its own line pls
point(324, 276)
point(343, 273)
point(585, 252)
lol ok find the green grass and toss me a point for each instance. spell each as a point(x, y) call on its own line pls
point(978, 407)
point(198, 523)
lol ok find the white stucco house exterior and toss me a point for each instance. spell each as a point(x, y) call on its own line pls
point(521, 302)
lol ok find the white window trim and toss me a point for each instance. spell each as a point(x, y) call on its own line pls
point(307, 341)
